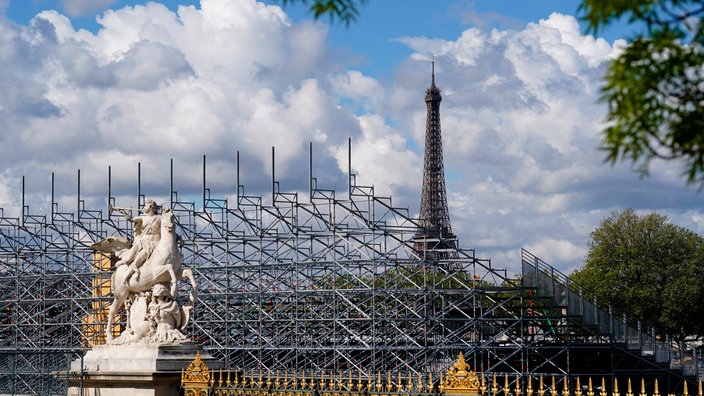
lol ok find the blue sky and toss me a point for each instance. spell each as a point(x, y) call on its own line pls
point(148, 82)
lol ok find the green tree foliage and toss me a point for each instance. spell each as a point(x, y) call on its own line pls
point(655, 88)
point(648, 268)
point(346, 11)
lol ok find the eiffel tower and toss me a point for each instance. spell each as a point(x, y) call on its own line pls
point(434, 240)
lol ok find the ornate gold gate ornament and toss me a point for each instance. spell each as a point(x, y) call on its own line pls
point(461, 380)
point(195, 379)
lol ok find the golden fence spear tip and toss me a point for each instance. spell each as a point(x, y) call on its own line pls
point(700, 393)
point(494, 385)
point(629, 391)
point(590, 391)
point(642, 387)
point(684, 389)
point(541, 388)
point(615, 391)
point(565, 388)
point(656, 391)
point(529, 386)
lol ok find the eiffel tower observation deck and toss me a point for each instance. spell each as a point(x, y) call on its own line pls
point(434, 240)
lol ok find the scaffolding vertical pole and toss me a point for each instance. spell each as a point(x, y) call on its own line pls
point(204, 187)
point(139, 185)
point(237, 180)
point(273, 175)
point(23, 205)
point(349, 168)
point(78, 196)
point(171, 182)
point(52, 198)
point(109, 190)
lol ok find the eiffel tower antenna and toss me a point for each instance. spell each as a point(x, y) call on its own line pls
point(434, 239)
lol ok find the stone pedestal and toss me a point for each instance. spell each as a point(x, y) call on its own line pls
point(138, 369)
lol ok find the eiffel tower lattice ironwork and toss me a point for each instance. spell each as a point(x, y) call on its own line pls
point(434, 240)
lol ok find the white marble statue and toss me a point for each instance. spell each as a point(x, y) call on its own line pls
point(147, 233)
point(167, 317)
point(145, 280)
point(154, 318)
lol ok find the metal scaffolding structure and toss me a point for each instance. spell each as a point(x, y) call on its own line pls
point(327, 282)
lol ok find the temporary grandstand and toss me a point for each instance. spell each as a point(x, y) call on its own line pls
point(314, 280)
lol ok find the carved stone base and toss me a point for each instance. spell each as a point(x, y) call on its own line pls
point(141, 370)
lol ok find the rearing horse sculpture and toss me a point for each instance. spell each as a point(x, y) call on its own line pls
point(163, 265)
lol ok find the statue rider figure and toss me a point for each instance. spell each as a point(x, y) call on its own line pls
point(147, 228)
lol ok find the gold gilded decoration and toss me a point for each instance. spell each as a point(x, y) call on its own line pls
point(196, 378)
point(460, 379)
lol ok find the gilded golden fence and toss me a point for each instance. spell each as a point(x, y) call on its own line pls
point(459, 380)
